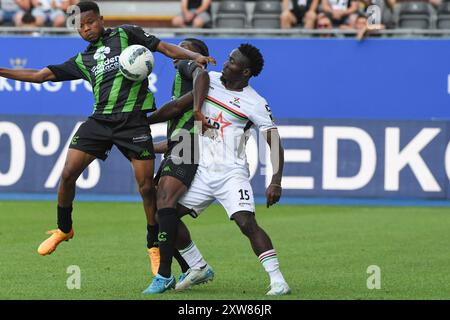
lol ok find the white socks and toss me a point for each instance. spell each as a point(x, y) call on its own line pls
point(193, 256)
point(270, 263)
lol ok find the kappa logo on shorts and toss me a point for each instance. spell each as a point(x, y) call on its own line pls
point(145, 154)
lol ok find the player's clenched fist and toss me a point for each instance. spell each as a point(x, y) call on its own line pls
point(273, 194)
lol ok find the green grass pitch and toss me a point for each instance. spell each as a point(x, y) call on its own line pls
point(324, 252)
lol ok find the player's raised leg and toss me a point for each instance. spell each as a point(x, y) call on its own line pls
point(143, 172)
point(263, 248)
point(76, 162)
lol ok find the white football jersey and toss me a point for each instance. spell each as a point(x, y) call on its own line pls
point(232, 113)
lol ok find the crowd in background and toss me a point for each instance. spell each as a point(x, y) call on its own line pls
point(308, 14)
point(34, 13)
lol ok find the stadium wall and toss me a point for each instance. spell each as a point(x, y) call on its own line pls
point(358, 119)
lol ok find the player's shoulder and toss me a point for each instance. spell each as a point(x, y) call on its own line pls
point(255, 97)
point(214, 75)
point(131, 28)
point(127, 27)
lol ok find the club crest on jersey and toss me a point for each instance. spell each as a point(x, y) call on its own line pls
point(102, 52)
point(236, 102)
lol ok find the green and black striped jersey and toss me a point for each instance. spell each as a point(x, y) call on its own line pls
point(182, 84)
point(99, 64)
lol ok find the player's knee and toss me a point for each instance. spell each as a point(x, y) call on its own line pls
point(247, 224)
point(165, 199)
point(147, 187)
point(68, 175)
point(198, 23)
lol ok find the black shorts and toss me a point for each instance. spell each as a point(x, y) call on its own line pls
point(299, 15)
point(129, 132)
point(183, 171)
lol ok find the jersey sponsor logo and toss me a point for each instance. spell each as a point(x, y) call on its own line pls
point(219, 123)
point(106, 66)
point(102, 52)
point(236, 102)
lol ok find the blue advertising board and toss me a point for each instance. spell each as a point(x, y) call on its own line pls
point(357, 119)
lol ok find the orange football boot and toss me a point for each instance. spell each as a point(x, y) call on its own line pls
point(57, 236)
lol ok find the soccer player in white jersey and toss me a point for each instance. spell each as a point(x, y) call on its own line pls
point(232, 107)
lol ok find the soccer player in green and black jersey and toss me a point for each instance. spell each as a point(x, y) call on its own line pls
point(177, 170)
point(120, 109)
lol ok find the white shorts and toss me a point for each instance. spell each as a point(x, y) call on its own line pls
point(232, 190)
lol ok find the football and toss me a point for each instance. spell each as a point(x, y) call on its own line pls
point(136, 62)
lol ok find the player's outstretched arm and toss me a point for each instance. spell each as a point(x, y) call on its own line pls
point(28, 75)
point(177, 52)
point(172, 109)
point(273, 192)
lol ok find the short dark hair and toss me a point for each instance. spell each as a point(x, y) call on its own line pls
point(88, 6)
point(199, 45)
point(254, 56)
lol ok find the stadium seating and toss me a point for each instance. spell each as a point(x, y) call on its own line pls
point(415, 15)
point(443, 18)
point(231, 14)
point(266, 14)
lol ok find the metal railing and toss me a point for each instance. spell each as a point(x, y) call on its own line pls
point(276, 33)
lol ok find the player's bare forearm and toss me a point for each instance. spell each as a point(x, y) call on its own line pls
point(200, 88)
point(172, 109)
point(28, 75)
point(176, 52)
point(274, 191)
point(276, 155)
point(161, 147)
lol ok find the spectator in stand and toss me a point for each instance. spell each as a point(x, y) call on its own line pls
point(195, 13)
point(28, 20)
point(297, 12)
point(324, 22)
point(50, 12)
point(12, 11)
point(361, 26)
point(340, 10)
